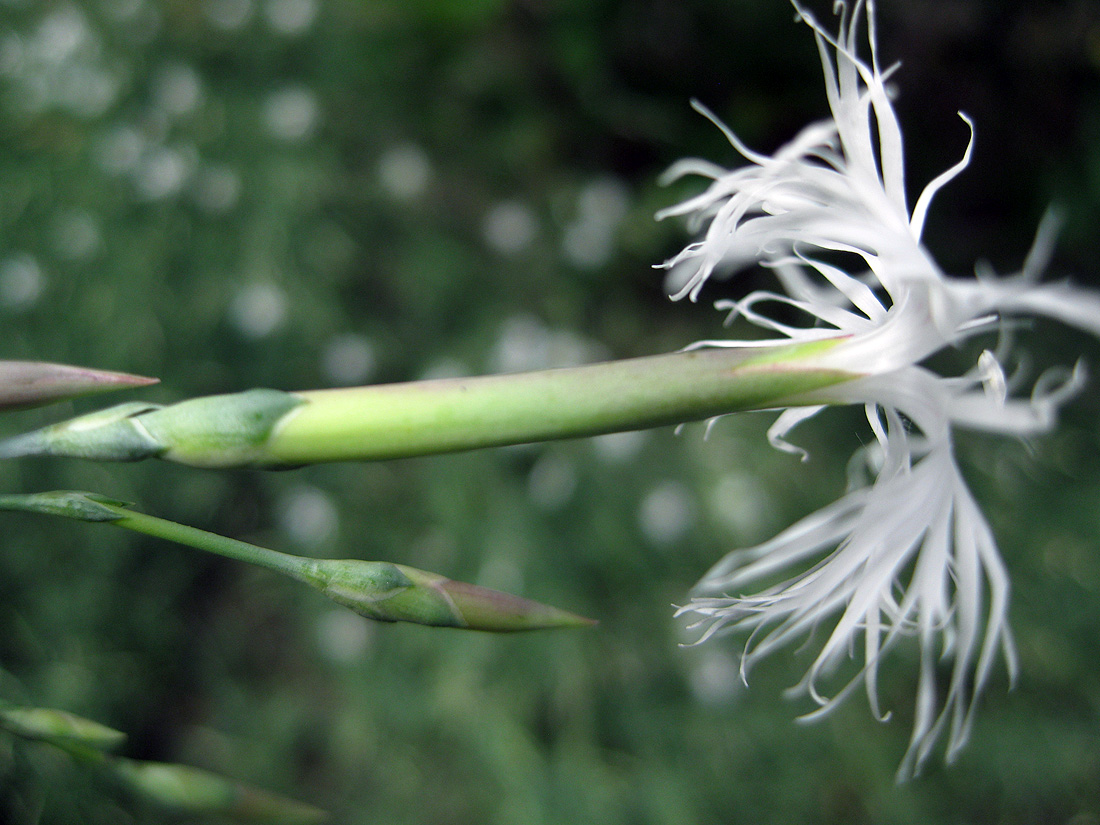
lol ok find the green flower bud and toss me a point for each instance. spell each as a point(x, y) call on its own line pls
point(191, 791)
point(59, 728)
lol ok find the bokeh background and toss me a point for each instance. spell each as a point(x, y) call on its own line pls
point(298, 194)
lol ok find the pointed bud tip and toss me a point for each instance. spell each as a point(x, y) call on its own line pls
point(492, 610)
point(26, 384)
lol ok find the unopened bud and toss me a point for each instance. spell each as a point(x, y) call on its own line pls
point(191, 791)
point(59, 728)
point(33, 383)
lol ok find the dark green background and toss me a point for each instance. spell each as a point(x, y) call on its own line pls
point(166, 168)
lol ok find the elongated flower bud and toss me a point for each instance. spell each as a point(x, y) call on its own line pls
point(190, 791)
point(34, 383)
point(59, 728)
point(390, 592)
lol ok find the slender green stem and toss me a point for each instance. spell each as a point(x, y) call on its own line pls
point(293, 566)
point(96, 508)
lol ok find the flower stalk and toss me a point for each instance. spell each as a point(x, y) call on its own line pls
point(382, 591)
point(270, 428)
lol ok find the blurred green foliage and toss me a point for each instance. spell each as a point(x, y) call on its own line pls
point(295, 194)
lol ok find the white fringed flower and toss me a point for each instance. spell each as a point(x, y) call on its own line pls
point(910, 554)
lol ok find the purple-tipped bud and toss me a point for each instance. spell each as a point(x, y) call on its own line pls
point(32, 383)
point(485, 609)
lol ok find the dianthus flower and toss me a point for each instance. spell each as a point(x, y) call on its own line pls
point(909, 554)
